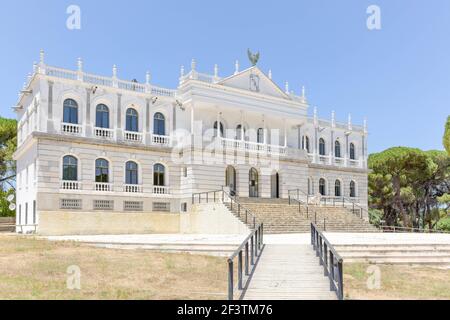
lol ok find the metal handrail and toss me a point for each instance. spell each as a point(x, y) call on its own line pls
point(395, 229)
point(329, 258)
point(241, 208)
point(247, 252)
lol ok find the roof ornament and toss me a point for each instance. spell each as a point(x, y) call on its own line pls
point(236, 67)
point(253, 57)
point(270, 74)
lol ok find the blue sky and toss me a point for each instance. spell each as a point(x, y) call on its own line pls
point(398, 77)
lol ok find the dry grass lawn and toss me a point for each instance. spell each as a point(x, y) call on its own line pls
point(397, 282)
point(37, 269)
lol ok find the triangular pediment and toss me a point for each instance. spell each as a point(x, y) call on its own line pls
point(254, 80)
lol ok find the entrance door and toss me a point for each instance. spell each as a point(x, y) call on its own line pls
point(253, 183)
point(275, 185)
point(230, 179)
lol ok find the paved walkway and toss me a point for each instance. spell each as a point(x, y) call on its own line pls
point(289, 272)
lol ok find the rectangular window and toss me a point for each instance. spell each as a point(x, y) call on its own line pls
point(70, 204)
point(133, 206)
point(184, 207)
point(161, 206)
point(185, 172)
point(104, 205)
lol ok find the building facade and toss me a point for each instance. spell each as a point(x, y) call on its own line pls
point(94, 147)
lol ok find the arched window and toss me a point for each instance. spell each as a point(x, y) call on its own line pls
point(132, 120)
point(131, 173)
point(102, 116)
point(322, 187)
point(352, 189)
point(101, 171)
point(260, 136)
point(159, 172)
point(337, 149)
point(159, 124)
point(70, 168)
point(240, 132)
point(70, 111)
point(215, 129)
point(305, 144)
point(352, 152)
point(337, 188)
point(322, 147)
point(230, 178)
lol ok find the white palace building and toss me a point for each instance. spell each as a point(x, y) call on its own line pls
point(103, 155)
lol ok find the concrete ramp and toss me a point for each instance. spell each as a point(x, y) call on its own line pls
point(289, 272)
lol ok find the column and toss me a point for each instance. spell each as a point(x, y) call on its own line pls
point(88, 124)
point(50, 124)
point(285, 134)
point(148, 133)
point(299, 133)
point(192, 119)
point(332, 155)
point(346, 150)
point(119, 130)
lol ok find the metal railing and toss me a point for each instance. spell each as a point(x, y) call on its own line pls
point(244, 214)
point(247, 255)
point(349, 203)
point(395, 229)
point(332, 262)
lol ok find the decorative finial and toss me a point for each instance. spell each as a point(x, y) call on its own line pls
point(216, 71)
point(254, 58)
point(365, 125)
point(303, 92)
point(35, 67)
point(236, 67)
point(114, 71)
point(349, 122)
point(270, 74)
point(333, 119)
point(315, 112)
point(42, 57)
point(193, 65)
point(147, 77)
point(181, 71)
point(80, 64)
point(287, 87)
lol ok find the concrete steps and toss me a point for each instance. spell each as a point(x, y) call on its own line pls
point(421, 254)
point(280, 217)
point(7, 225)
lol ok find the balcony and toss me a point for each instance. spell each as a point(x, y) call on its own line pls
point(324, 159)
point(161, 140)
point(131, 136)
point(70, 128)
point(70, 185)
point(161, 190)
point(338, 161)
point(103, 187)
point(132, 188)
point(252, 146)
point(104, 133)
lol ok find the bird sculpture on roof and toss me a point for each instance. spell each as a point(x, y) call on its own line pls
point(254, 58)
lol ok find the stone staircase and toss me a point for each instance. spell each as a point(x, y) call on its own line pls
point(279, 217)
point(7, 225)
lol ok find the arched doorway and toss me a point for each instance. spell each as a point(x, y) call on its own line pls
point(275, 185)
point(230, 178)
point(253, 182)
